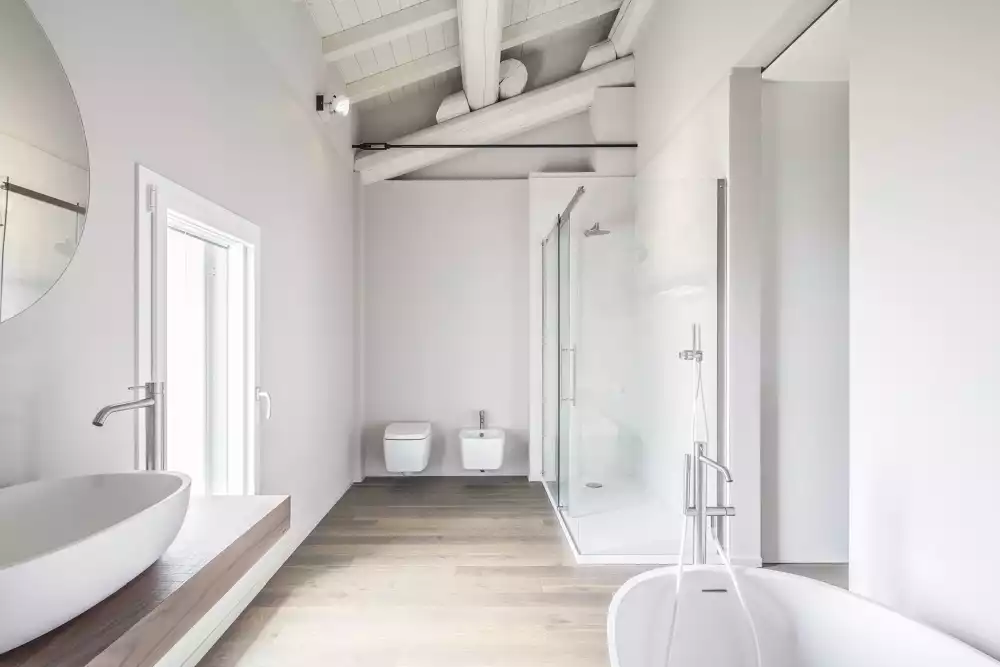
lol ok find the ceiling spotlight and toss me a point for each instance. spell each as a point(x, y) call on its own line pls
point(333, 104)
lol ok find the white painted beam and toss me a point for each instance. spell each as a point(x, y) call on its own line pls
point(496, 122)
point(627, 24)
point(479, 28)
point(513, 78)
point(599, 54)
point(448, 59)
point(452, 106)
point(391, 26)
point(566, 16)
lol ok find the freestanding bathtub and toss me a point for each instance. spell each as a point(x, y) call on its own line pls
point(800, 623)
point(66, 544)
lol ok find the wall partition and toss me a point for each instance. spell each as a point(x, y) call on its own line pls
point(620, 294)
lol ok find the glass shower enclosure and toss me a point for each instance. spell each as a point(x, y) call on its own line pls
point(558, 352)
point(39, 234)
point(620, 296)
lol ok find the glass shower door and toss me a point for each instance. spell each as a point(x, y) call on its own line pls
point(558, 361)
point(558, 381)
point(621, 293)
point(567, 360)
point(550, 363)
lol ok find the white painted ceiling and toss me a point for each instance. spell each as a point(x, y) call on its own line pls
point(333, 16)
point(550, 58)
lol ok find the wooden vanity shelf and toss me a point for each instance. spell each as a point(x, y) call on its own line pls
point(221, 539)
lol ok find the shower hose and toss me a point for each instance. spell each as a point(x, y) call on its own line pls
point(699, 402)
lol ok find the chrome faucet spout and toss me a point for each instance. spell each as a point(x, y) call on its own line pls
point(718, 466)
point(155, 422)
point(103, 413)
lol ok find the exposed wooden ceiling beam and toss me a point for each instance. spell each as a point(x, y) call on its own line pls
point(556, 20)
point(627, 24)
point(479, 28)
point(448, 59)
point(389, 27)
point(496, 122)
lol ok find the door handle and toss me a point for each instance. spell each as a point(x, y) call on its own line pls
point(264, 399)
point(571, 368)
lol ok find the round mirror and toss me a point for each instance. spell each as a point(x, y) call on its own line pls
point(44, 169)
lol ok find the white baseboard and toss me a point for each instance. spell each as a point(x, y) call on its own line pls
point(196, 643)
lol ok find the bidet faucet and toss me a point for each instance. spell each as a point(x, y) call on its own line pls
point(482, 420)
point(153, 402)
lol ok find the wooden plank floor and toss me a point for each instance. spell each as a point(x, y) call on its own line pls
point(430, 572)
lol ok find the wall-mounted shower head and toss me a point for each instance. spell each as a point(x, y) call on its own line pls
point(596, 230)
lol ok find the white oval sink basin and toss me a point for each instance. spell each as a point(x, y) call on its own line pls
point(66, 544)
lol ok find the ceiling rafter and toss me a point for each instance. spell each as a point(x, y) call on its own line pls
point(627, 24)
point(479, 50)
point(392, 26)
point(496, 122)
point(450, 58)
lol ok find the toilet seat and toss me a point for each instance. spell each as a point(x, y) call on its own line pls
point(407, 431)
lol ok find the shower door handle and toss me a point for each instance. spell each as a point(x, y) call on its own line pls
point(570, 367)
point(264, 399)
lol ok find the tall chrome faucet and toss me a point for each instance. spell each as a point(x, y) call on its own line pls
point(153, 402)
point(695, 503)
point(482, 420)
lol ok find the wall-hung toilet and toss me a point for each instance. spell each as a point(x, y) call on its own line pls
point(407, 446)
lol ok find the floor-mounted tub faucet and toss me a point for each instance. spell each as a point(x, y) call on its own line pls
point(695, 504)
point(711, 463)
point(153, 402)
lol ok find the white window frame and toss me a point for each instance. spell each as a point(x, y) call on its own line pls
point(162, 204)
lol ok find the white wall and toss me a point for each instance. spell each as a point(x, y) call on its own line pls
point(804, 351)
point(688, 46)
point(822, 53)
point(445, 315)
point(699, 119)
point(925, 363)
point(203, 93)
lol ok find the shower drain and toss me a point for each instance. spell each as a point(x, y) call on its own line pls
point(594, 485)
